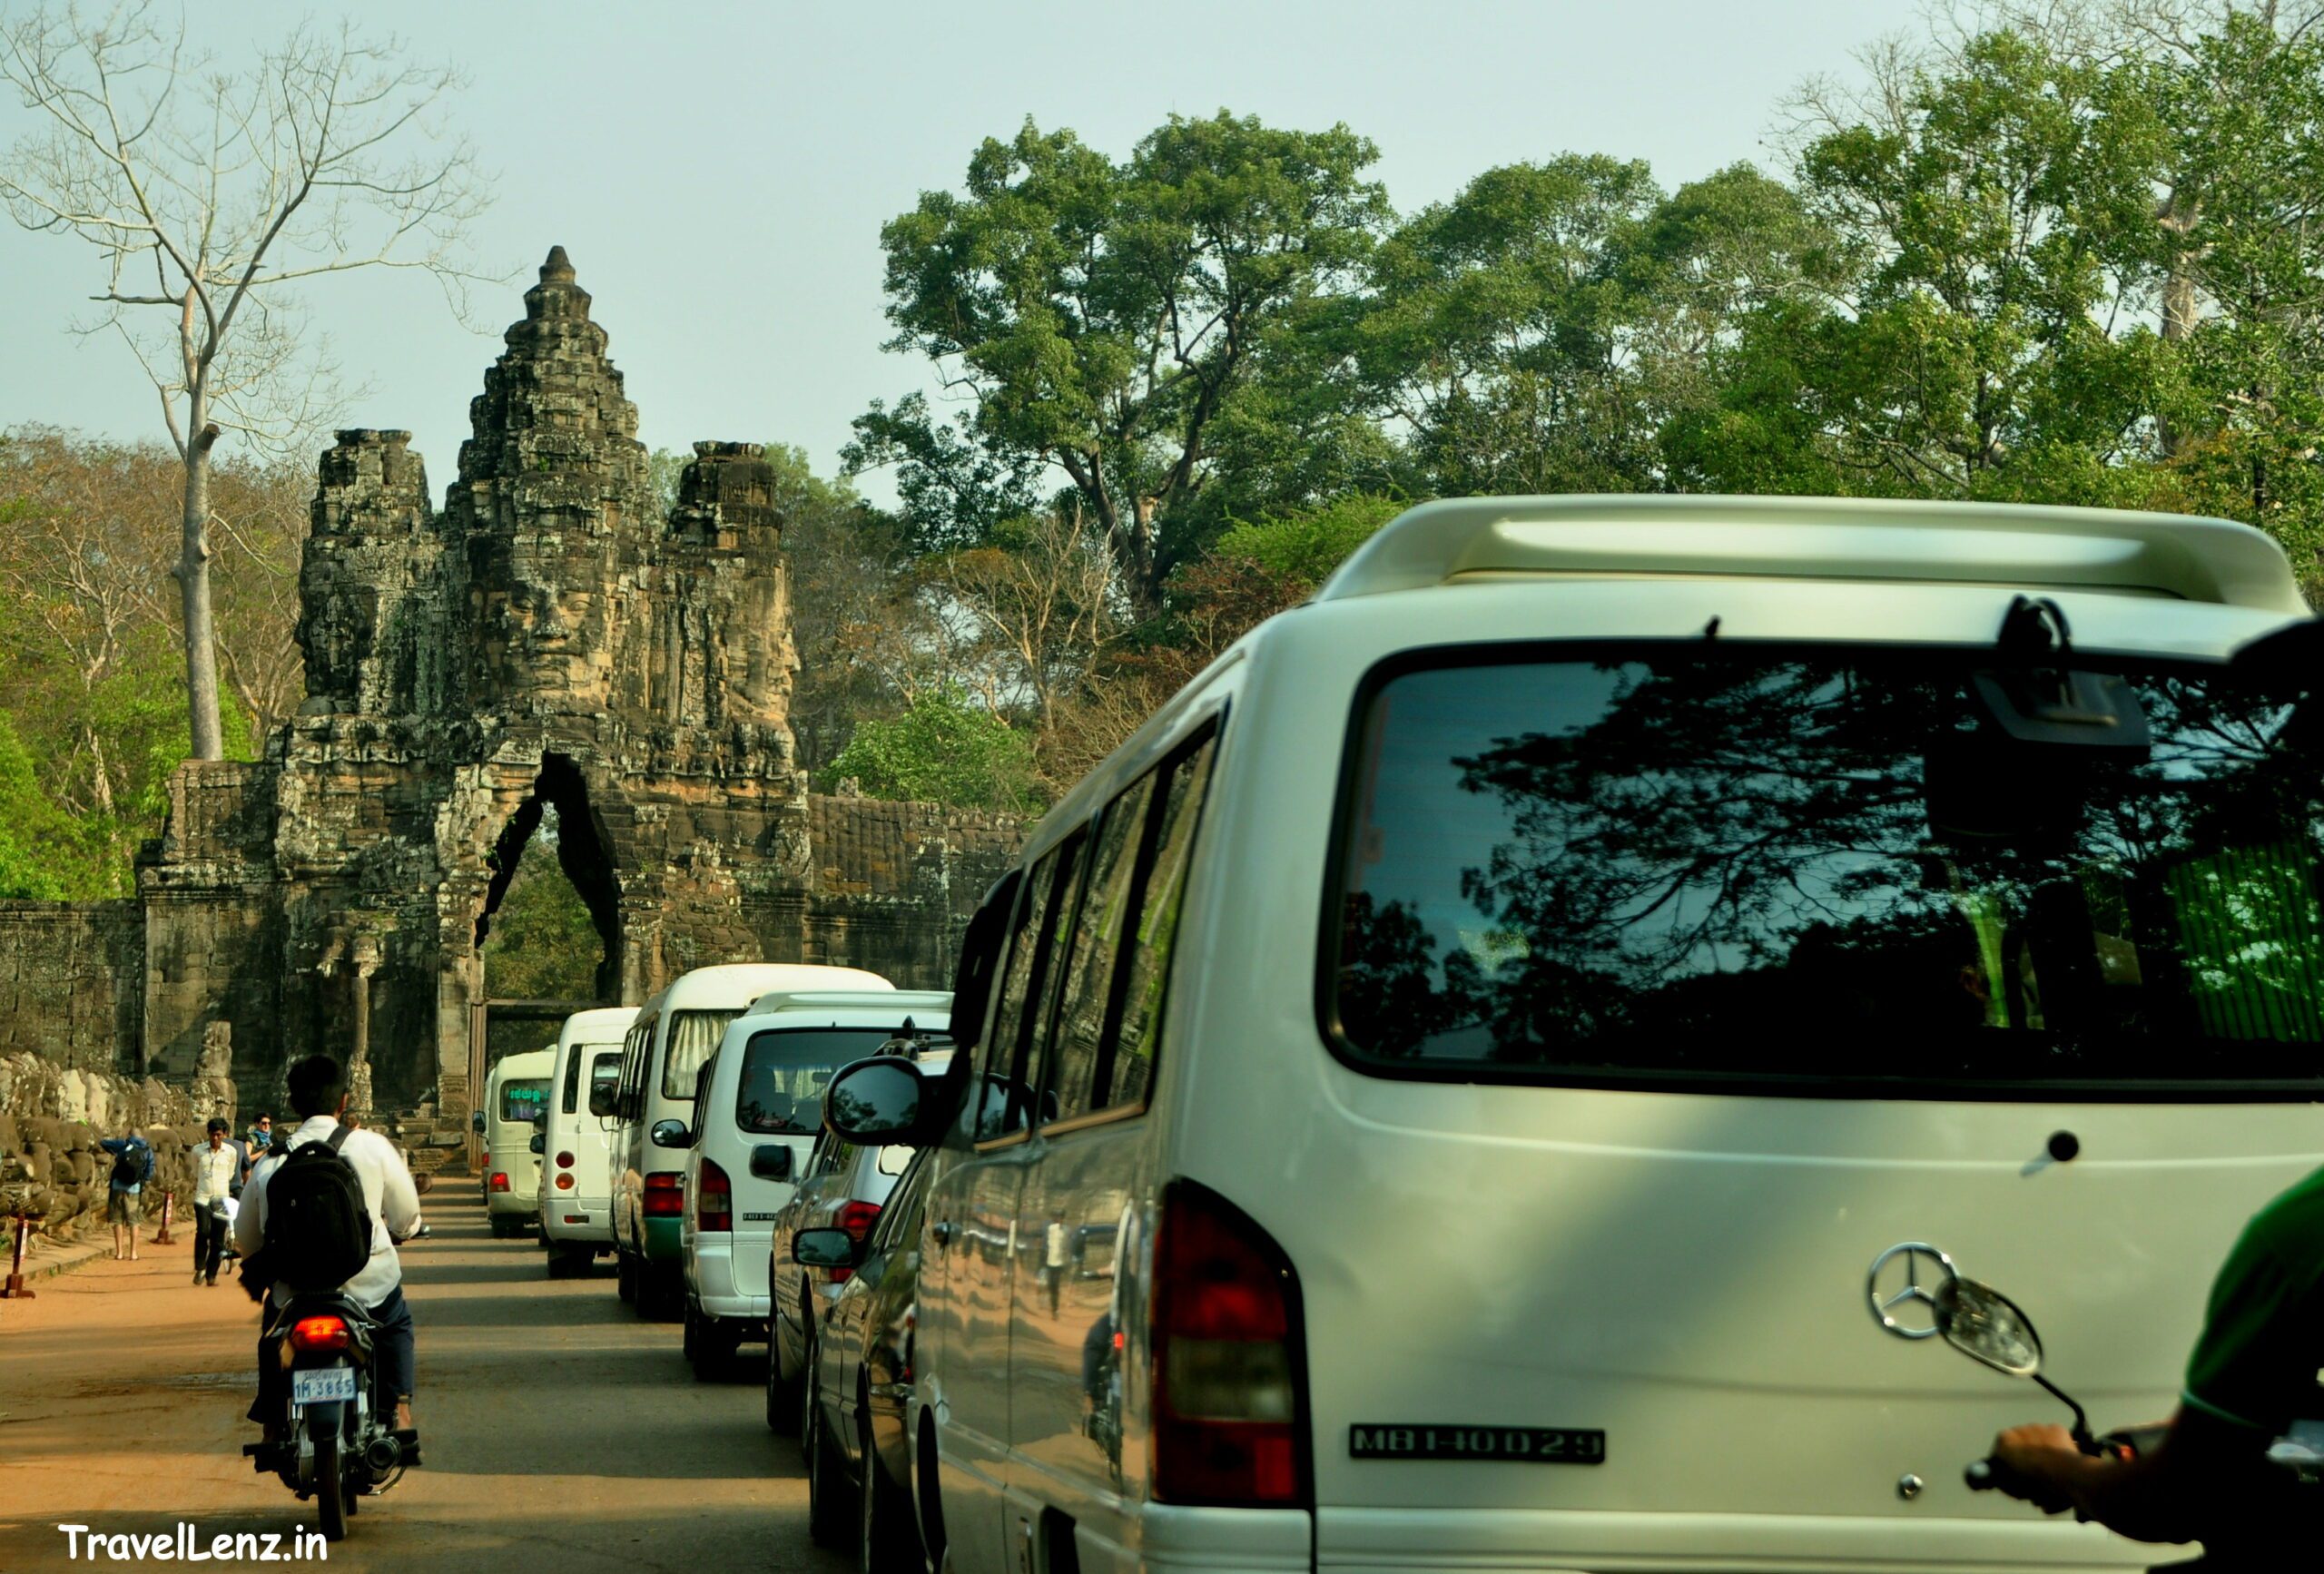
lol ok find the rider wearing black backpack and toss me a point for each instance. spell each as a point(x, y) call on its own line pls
point(323, 1211)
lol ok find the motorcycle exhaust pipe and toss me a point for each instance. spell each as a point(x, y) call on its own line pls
point(382, 1455)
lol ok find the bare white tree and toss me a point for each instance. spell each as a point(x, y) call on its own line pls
point(207, 192)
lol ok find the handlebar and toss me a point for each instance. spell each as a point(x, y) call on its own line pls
point(1989, 1475)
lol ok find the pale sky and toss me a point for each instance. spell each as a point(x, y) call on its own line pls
point(719, 173)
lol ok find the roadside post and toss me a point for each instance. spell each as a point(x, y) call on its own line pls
point(15, 1289)
point(162, 1239)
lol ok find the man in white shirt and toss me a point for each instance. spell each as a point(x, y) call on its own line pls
point(217, 1169)
point(317, 1096)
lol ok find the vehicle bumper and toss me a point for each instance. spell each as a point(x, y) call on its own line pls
point(662, 1245)
point(525, 1203)
point(1384, 1539)
point(711, 1275)
point(595, 1230)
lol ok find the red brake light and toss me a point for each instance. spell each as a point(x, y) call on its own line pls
point(499, 1181)
point(565, 1161)
point(713, 1202)
point(666, 1196)
point(315, 1335)
point(856, 1219)
point(565, 1183)
point(1229, 1378)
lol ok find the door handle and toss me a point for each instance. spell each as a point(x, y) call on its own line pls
point(943, 1232)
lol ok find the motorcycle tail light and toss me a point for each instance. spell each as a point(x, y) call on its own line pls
point(1229, 1370)
point(320, 1335)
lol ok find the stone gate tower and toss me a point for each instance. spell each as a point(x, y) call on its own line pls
point(551, 637)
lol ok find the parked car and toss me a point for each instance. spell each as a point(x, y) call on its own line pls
point(855, 1425)
point(757, 1112)
point(842, 1185)
point(575, 1193)
point(1632, 919)
point(515, 1092)
point(674, 1033)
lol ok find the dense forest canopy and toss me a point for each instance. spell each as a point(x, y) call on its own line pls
point(2069, 256)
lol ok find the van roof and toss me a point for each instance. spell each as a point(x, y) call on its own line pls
point(737, 984)
point(527, 1063)
point(2185, 556)
point(904, 1000)
point(582, 1025)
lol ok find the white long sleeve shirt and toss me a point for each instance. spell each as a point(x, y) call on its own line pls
point(389, 1194)
point(214, 1172)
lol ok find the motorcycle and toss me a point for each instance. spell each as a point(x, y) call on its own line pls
point(336, 1437)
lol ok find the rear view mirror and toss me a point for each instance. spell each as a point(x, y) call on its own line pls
point(771, 1161)
point(875, 1102)
point(824, 1249)
point(671, 1134)
point(540, 1143)
point(1987, 1326)
point(476, 1122)
point(601, 1102)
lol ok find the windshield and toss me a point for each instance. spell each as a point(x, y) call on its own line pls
point(692, 1040)
point(785, 1070)
point(1733, 865)
point(523, 1100)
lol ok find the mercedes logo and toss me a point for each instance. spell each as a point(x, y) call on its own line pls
point(1905, 1277)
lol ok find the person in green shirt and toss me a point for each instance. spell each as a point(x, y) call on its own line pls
point(2257, 1376)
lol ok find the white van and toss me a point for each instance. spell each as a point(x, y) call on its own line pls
point(576, 1174)
point(515, 1094)
point(671, 1039)
point(1450, 1078)
point(755, 1121)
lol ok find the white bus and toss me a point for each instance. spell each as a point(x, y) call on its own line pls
point(1449, 1077)
point(576, 1142)
point(516, 1093)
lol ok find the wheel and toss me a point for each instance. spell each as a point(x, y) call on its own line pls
point(625, 1277)
point(503, 1226)
point(559, 1262)
point(782, 1392)
point(330, 1488)
point(887, 1541)
point(712, 1346)
point(826, 1488)
point(658, 1299)
point(689, 1342)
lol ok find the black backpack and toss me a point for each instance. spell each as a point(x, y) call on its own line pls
point(133, 1166)
point(318, 1229)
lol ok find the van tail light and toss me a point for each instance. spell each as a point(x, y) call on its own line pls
point(565, 1183)
point(565, 1161)
point(1229, 1370)
point(320, 1335)
point(499, 1181)
point(665, 1196)
point(856, 1219)
point(713, 1199)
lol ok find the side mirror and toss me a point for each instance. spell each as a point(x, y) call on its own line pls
point(824, 1249)
point(475, 1121)
point(876, 1102)
point(671, 1134)
point(540, 1142)
point(601, 1100)
point(771, 1161)
point(1987, 1326)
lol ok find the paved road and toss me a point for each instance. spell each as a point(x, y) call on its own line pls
point(560, 1431)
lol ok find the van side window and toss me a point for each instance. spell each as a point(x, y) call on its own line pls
point(1127, 1071)
point(1096, 947)
point(569, 1100)
point(1000, 1109)
point(1040, 1026)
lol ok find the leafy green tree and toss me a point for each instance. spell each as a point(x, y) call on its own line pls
point(945, 749)
point(1304, 546)
point(542, 944)
point(1109, 322)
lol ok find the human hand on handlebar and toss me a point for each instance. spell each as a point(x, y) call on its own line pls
point(2025, 1460)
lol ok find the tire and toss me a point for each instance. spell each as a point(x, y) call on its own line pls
point(782, 1393)
point(330, 1488)
point(625, 1277)
point(559, 1264)
point(503, 1226)
point(711, 1345)
point(886, 1538)
point(826, 1488)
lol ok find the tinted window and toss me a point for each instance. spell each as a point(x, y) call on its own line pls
point(1830, 869)
point(571, 1100)
point(1096, 941)
point(1128, 1074)
point(692, 1040)
point(1056, 929)
point(605, 1070)
point(997, 1111)
point(784, 1071)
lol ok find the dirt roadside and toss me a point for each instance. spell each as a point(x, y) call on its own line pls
point(559, 1430)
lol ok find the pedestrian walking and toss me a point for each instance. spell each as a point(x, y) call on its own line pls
point(259, 1138)
point(216, 1173)
point(133, 1165)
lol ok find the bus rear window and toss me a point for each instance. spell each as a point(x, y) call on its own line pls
point(1823, 873)
point(524, 1099)
point(785, 1070)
